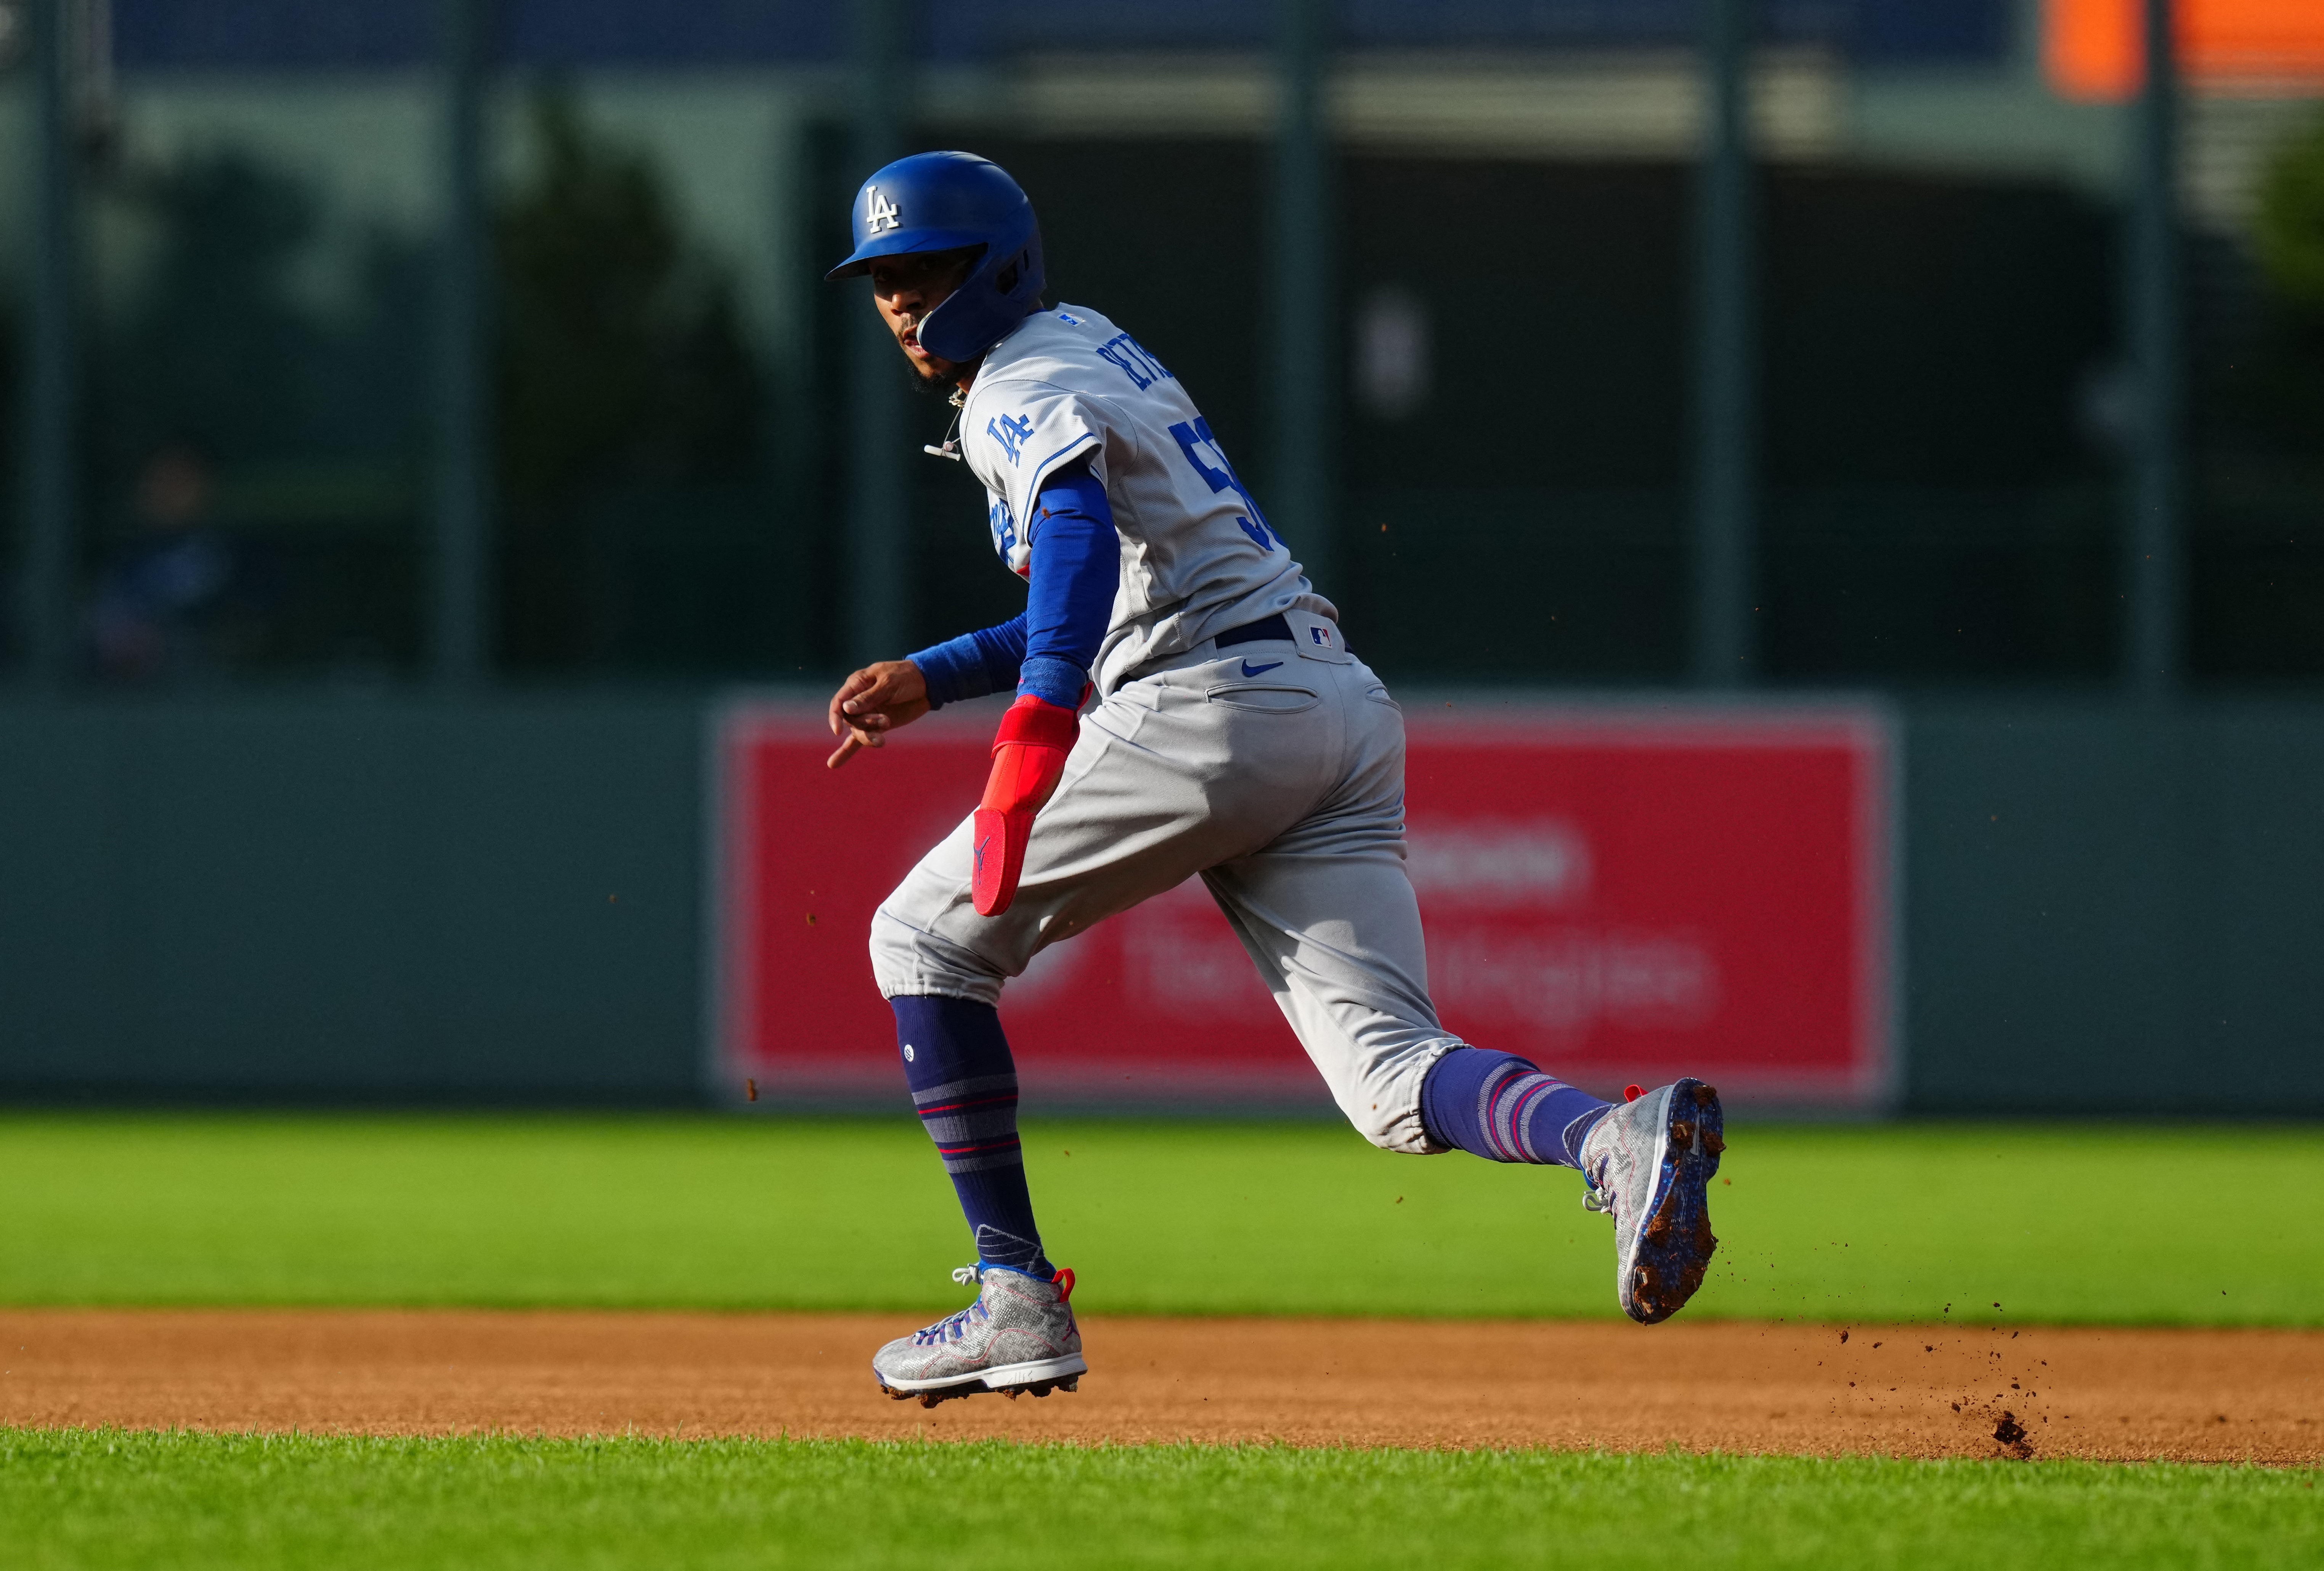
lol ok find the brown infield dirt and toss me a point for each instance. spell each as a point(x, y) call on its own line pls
point(1905, 1390)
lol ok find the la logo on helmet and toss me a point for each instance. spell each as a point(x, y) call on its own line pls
point(881, 214)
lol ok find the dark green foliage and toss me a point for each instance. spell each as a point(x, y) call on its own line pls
point(304, 415)
point(626, 427)
point(2257, 578)
point(628, 417)
point(622, 355)
point(214, 350)
point(2285, 397)
point(2290, 231)
point(218, 348)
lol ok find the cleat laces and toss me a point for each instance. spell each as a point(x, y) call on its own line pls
point(1596, 1195)
point(954, 1325)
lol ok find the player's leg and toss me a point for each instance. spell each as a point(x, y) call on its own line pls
point(1120, 828)
point(1327, 913)
point(1156, 789)
point(1329, 917)
point(1020, 1334)
point(963, 1084)
point(1148, 798)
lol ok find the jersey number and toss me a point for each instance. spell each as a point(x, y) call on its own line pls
point(1196, 435)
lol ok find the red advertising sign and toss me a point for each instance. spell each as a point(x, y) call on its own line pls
point(1619, 892)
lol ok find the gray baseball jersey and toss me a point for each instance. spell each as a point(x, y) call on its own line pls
point(1197, 555)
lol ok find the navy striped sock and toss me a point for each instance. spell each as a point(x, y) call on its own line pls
point(964, 1086)
point(1503, 1109)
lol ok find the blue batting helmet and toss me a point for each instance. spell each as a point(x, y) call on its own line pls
point(948, 201)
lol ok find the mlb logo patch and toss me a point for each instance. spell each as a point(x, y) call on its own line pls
point(1070, 320)
point(1321, 635)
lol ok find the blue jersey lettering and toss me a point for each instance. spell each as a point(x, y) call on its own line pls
point(1004, 528)
point(1135, 363)
point(1011, 431)
point(1195, 435)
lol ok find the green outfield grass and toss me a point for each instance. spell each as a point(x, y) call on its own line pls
point(99, 1499)
point(2064, 1224)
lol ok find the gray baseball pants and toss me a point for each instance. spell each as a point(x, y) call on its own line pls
point(1284, 789)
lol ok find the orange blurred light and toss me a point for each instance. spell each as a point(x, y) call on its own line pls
point(2095, 49)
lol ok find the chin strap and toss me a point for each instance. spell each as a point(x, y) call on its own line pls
point(1029, 760)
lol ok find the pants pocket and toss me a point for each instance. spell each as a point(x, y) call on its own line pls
point(1263, 700)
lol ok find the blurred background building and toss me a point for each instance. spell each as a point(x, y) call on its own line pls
point(417, 406)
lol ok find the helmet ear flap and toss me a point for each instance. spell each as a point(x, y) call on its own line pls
point(1013, 273)
point(998, 291)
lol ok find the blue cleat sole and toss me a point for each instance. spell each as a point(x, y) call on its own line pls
point(1675, 1244)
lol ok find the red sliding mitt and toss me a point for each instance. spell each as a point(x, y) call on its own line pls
point(1029, 758)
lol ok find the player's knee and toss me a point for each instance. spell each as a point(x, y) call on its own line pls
point(907, 958)
point(1382, 1099)
point(897, 952)
point(1392, 1129)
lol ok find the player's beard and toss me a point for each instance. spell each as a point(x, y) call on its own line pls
point(943, 384)
point(934, 387)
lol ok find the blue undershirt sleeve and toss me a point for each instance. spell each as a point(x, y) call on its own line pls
point(1048, 651)
point(1075, 570)
point(974, 664)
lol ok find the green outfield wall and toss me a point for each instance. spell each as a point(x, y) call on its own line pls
point(2110, 907)
point(340, 898)
point(350, 898)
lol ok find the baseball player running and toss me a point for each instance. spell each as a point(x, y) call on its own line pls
point(1187, 705)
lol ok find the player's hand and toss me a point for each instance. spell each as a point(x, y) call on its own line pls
point(873, 702)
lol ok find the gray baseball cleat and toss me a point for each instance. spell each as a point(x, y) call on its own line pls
point(1647, 1164)
point(1018, 1336)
